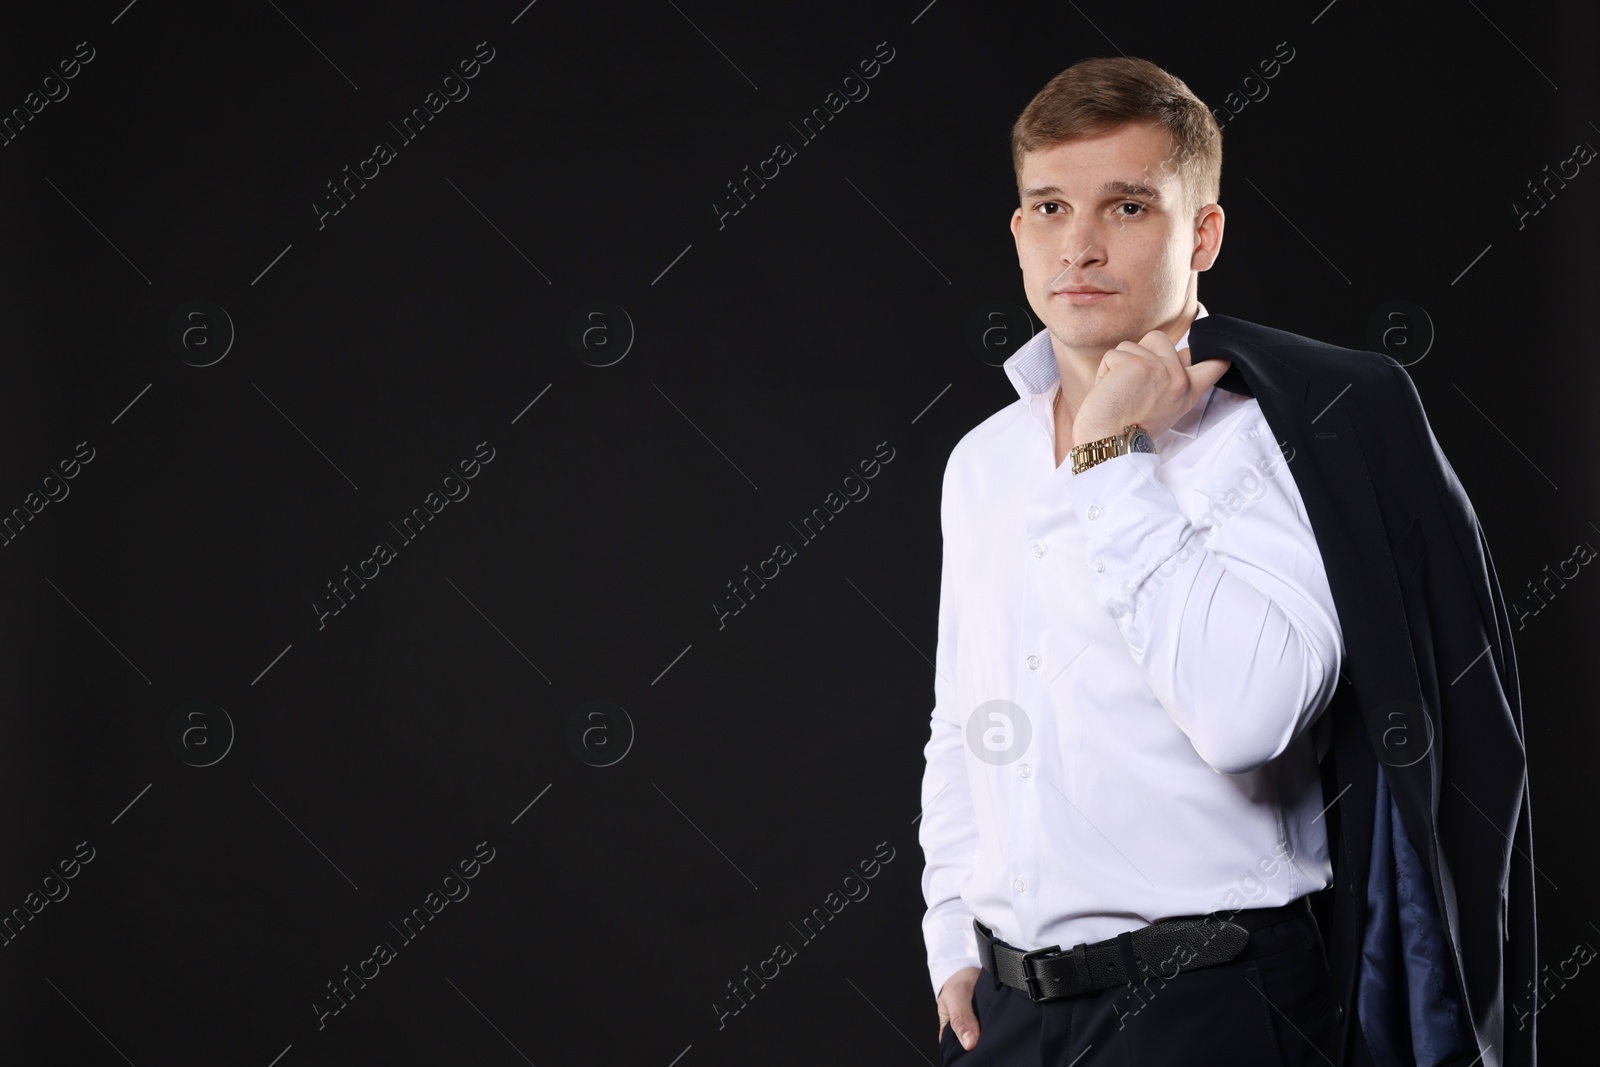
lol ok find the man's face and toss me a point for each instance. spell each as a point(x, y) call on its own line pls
point(1109, 213)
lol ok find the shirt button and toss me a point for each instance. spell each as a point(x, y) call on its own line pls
point(1033, 663)
point(1099, 565)
point(1019, 885)
point(1094, 511)
point(1038, 550)
point(1024, 771)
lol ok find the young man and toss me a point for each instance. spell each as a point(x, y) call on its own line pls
point(1161, 565)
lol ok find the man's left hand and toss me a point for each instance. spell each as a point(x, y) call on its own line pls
point(1150, 383)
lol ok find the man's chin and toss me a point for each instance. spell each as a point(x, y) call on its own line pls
point(1099, 336)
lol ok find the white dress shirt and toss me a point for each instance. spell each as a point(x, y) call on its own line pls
point(1160, 632)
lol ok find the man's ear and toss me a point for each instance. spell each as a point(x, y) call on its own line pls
point(1208, 226)
point(1016, 225)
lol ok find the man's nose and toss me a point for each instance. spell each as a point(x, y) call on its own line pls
point(1082, 244)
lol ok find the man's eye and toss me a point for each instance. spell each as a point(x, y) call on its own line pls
point(1047, 204)
point(1138, 209)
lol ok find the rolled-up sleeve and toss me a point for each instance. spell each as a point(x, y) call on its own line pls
point(1229, 616)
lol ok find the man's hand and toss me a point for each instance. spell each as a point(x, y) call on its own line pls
point(955, 1006)
point(1150, 383)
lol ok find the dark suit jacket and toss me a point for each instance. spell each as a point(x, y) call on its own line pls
point(1430, 921)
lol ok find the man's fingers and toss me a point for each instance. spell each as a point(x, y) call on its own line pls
point(1154, 346)
point(1159, 345)
point(965, 1025)
point(1157, 341)
point(1205, 373)
point(966, 1030)
point(1106, 363)
point(1148, 391)
point(955, 1005)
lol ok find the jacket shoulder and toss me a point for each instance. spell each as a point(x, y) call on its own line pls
point(1284, 339)
point(1307, 354)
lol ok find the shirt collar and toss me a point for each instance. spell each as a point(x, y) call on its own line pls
point(1032, 370)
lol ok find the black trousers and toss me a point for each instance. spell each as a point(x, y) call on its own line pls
point(1271, 1005)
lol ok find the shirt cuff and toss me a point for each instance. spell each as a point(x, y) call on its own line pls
point(952, 944)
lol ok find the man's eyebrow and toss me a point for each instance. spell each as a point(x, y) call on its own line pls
point(1126, 188)
point(1115, 187)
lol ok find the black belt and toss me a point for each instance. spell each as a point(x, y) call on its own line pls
point(1171, 945)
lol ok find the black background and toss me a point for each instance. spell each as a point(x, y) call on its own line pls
point(764, 360)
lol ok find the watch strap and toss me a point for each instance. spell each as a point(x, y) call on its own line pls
point(1090, 453)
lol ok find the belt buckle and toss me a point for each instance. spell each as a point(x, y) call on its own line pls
point(1031, 979)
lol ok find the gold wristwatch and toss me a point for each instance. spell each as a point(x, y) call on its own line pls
point(1132, 439)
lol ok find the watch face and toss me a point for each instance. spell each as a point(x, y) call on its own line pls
point(1140, 442)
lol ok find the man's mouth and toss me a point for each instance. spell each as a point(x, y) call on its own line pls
point(1082, 294)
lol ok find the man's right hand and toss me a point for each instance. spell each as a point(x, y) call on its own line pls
point(955, 1006)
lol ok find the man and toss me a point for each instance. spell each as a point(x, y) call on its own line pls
point(1191, 634)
